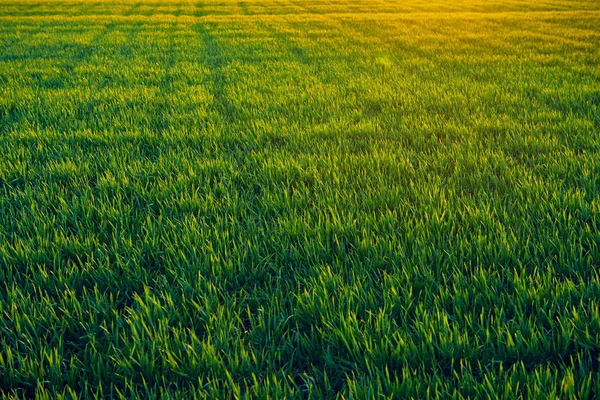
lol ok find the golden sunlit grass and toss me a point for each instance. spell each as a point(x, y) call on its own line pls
point(300, 199)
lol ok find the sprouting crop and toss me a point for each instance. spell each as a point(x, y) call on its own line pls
point(300, 199)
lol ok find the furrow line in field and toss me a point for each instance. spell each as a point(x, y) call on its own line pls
point(217, 63)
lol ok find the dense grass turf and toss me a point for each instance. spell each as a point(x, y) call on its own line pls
point(300, 198)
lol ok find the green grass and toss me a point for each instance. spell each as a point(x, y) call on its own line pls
point(306, 199)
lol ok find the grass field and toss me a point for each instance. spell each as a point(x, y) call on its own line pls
point(316, 198)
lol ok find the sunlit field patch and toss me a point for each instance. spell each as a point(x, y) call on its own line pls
point(300, 199)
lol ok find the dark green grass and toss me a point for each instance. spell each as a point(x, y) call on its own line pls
point(300, 199)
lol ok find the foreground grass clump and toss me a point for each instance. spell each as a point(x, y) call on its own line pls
point(300, 199)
